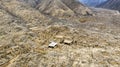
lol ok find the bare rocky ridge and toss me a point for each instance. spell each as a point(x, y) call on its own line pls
point(82, 41)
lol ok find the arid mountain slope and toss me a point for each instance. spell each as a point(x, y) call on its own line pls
point(54, 7)
point(111, 4)
point(92, 2)
point(23, 11)
point(63, 7)
point(32, 3)
point(82, 41)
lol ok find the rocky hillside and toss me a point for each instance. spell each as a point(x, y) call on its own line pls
point(62, 8)
point(32, 3)
point(111, 4)
point(57, 33)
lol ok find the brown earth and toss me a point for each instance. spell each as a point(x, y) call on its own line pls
point(93, 40)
